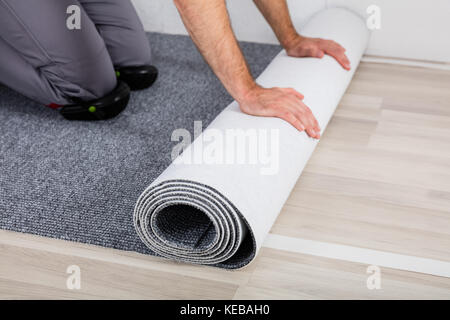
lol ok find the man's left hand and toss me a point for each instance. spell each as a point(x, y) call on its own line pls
point(317, 48)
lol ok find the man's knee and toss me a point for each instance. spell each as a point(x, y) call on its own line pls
point(86, 78)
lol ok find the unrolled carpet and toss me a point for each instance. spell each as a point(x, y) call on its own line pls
point(81, 181)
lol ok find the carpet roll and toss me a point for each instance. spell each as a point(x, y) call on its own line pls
point(218, 200)
point(188, 221)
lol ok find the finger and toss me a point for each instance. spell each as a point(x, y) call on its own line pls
point(295, 93)
point(311, 116)
point(340, 47)
point(317, 53)
point(340, 57)
point(306, 118)
point(330, 45)
point(313, 123)
point(337, 51)
point(347, 62)
point(312, 133)
point(286, 112)
point(320, 54)
point(316, 123)
point(292, 119)
point(297, 114)
point(337, 45)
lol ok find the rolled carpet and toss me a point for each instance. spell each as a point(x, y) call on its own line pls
point(207, 210)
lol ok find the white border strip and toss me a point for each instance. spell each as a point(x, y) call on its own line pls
point(409, 63)
point(359, 255)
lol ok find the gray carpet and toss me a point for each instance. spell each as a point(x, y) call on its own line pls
point(79, 181)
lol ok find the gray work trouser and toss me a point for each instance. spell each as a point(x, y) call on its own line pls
point(43, 59)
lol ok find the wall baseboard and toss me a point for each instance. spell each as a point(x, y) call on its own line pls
point(407, 62)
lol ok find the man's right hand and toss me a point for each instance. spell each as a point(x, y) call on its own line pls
point(284, 103)
point(210, 29)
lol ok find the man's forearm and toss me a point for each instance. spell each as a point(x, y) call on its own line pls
point(209, 27)
point(276, 13)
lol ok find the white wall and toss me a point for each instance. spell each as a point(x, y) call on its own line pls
point(248, 23)
point(412, 29)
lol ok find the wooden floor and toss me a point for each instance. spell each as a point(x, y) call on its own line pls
point(379, 179)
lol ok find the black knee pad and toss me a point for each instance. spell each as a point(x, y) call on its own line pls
point(103, 108)
point(138, 77)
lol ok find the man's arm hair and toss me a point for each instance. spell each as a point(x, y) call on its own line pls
point(276, 13)
point(208, 24)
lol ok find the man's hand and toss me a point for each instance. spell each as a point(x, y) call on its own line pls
point(317, 48)
point(277, 15)
point(284, 103)
point(210, 29)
